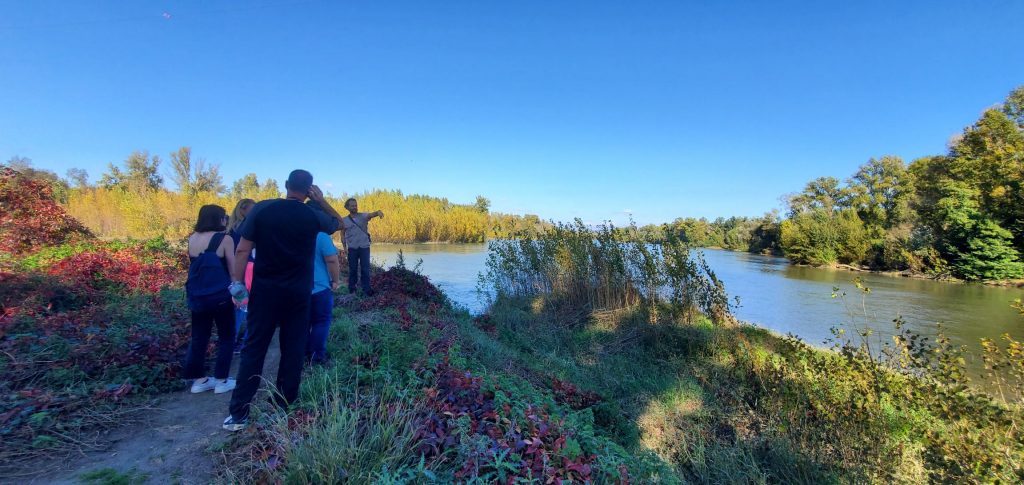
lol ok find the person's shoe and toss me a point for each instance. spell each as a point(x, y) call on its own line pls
point(232, 424)
point(224, 386)
point(370, 292)
point(203, 385)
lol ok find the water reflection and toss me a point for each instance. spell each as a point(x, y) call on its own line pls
point(783, 297)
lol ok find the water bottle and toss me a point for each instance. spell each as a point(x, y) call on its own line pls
point(240, 295)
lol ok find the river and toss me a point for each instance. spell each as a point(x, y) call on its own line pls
point(779, 296)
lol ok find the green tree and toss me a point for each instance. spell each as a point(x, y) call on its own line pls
point(482, 204)
point(821, 237)
point(269, 190)
point(821, 193)
point(977, 246)
point(766, 234)
point(1014, 106)
point(139, 175)
point(193, 178)
point(246, 187)
point(880, 191)
point(990, 157)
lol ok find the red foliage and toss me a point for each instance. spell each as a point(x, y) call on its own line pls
point(396, 284)
point(30, 218)
point(87, 329)
point(567, 393)
point(486, 323)
point(533, 436)
point(125, 267)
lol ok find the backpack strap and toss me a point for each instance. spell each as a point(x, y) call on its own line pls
point(215, 242)
point(361, 228)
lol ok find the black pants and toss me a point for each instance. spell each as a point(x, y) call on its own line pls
point(271, 308)
point(202, 327)
point(359, 268)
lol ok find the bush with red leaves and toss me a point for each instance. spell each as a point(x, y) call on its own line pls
point(567, 393)
point(396, 283)
point(537, 445)
point(486, 323)
point(83, 324)
point(125, 268)
point(30, 218)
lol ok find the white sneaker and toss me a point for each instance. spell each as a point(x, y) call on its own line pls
point(203, 385)
point(233, 425)
point(224, 386)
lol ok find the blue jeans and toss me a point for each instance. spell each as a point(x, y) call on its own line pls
point(320, 308)
point(359, 269)
point(240, 318)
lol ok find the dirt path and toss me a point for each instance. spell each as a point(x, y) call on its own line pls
point(175, 442)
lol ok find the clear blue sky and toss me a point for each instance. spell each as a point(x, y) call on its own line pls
point(563, 109)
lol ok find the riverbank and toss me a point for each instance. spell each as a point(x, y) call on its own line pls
point(946, 278)
point(418, 391)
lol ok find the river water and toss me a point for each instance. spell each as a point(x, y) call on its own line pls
point(779, 296)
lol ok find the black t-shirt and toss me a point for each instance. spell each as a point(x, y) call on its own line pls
point(283, 231)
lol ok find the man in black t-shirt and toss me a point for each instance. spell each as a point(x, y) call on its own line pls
point(283, 231)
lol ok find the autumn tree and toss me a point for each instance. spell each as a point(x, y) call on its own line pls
point(140, 173)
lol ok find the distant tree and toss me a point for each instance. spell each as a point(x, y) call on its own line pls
point(820, 193)
point(990, 157)
point(696, 232)
point(1014, 106)
point(978, 247)
point(880, 191)
point(193, 178)
point(766, 235)
point(269, 190)
point(821, 237)
point(181, 169)
point(140, 173)
point(79, 177)
point(208, 179)
point(246, 187)
point(482, 204)
point(19, 164)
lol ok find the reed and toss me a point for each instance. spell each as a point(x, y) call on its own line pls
point(605, 268)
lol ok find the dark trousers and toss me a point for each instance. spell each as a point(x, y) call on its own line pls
point(202, 327)
point(240, 318)
point(271, 308)
point(359, 268)
point(320, 308)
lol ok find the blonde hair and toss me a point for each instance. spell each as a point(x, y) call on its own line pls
point(236, 218)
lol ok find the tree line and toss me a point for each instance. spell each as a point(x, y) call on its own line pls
point(130, 200)
point(958, 214)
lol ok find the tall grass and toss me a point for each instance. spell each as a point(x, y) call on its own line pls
point(117, 213)
point(605, 268)
point(730, 404)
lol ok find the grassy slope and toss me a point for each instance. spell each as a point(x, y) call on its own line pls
point(422, 393)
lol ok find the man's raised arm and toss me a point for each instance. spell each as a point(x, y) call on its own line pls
point(331, 220)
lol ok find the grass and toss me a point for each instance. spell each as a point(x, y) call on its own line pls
point(683, 400)
point(110, 476)
point(411, 405)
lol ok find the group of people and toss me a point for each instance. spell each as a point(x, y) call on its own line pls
point(269, 267)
